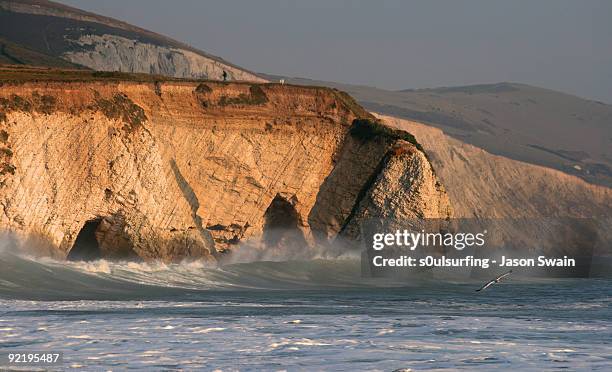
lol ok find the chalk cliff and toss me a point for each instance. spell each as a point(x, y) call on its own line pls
point(116, 53)
point(65, 34)
point(172, 169)
point(529, 206)
point(483, 185)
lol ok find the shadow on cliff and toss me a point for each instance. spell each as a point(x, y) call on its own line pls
point(358, 163)
point(192, 200)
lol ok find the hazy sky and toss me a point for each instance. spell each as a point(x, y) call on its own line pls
point(559, 44)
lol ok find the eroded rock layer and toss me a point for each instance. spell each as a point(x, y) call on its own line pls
point(175, 169)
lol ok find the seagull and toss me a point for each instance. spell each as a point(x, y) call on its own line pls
point(494, 281)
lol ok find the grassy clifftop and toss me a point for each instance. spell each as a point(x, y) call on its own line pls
point(364, 127)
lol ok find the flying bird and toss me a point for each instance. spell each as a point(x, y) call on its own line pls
point(494, 281)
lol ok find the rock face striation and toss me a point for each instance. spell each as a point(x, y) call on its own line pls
point(103, 167)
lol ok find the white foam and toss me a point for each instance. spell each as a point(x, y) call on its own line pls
point(208, 330)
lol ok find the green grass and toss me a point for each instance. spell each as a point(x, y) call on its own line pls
point(22, 74)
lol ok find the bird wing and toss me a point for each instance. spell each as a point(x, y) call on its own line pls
point(504, 275)
point(490, 283)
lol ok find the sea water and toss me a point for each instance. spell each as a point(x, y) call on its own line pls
point(297, 315)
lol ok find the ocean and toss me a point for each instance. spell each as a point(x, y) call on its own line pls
point(296, 315)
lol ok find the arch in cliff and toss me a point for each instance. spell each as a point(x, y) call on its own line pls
point(103, 238)
point(86, 246)
point(281, 225)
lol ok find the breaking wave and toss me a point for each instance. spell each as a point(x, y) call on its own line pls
point(25, 276)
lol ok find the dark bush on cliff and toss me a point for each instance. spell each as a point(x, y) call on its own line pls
point(368, 129)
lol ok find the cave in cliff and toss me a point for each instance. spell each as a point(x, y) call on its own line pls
point(281, 225)
point(103, 238)
point(86, 246)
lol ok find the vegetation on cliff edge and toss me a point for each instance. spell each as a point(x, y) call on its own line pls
point(369, 129)
point(203, 89)
point(255, 97)
point(121, 107)
point(351, 104)
point(39, 103)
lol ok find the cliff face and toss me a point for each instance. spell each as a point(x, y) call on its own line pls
point(405, 191)
point(115, 53)
point(484, 185)
point(530, 207)
point(181, 169)
point(60, 32)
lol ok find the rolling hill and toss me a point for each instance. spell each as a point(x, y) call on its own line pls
point(58, 33)
point(518, 121)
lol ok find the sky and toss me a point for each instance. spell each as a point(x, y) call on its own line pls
point(564, 45)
